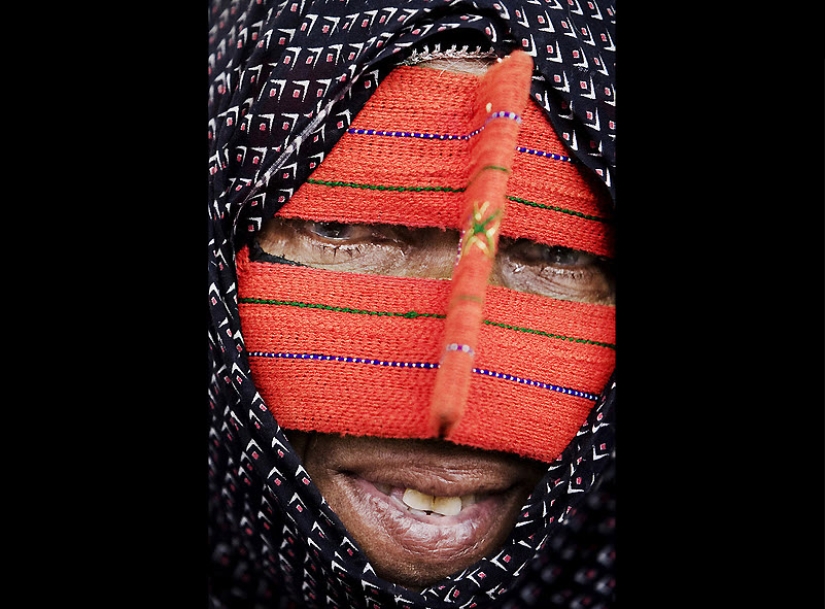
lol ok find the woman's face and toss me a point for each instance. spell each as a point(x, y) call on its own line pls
point(423, 509)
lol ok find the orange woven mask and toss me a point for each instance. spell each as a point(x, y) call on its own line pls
point(474, 364)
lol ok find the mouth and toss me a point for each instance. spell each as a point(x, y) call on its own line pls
point(427, 511)
point(429, 526)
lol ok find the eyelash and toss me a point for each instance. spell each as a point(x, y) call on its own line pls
point(525, 265)
point(549, 256)
point(332, 249)
point(354, 245)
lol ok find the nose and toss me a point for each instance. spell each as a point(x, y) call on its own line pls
point(503, 94)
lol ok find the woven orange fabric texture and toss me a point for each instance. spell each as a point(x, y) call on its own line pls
point(420, 181)
point(420, 358)
point(388, 333)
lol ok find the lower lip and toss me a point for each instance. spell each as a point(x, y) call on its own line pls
point(427, 538)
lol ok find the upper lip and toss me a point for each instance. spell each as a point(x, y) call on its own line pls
point(435, 474)
point(439, 482)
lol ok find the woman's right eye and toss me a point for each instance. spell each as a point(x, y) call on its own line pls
point(338, 231)
point(329, 230)
point(331, 244)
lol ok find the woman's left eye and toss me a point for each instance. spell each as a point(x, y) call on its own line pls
point(530, 252)
point(557, 271)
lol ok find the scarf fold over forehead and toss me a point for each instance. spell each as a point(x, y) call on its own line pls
point(286, 80)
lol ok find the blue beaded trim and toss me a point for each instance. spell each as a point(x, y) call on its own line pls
point(463, 348)
point(341, 358)
point(464, 137)
point(437, 136)
point(531, 383)
point(504, 114)
point(546, 155)
point(426, 365)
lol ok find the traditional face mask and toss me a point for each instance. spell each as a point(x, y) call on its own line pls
point(400, 357)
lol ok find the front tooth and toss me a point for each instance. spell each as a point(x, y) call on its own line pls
point(418, 500)
point(467, 500)
point(447, 506)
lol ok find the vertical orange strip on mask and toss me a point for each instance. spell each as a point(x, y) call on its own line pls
point(501, 98)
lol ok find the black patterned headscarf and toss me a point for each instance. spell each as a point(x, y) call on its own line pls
point(273, 540)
